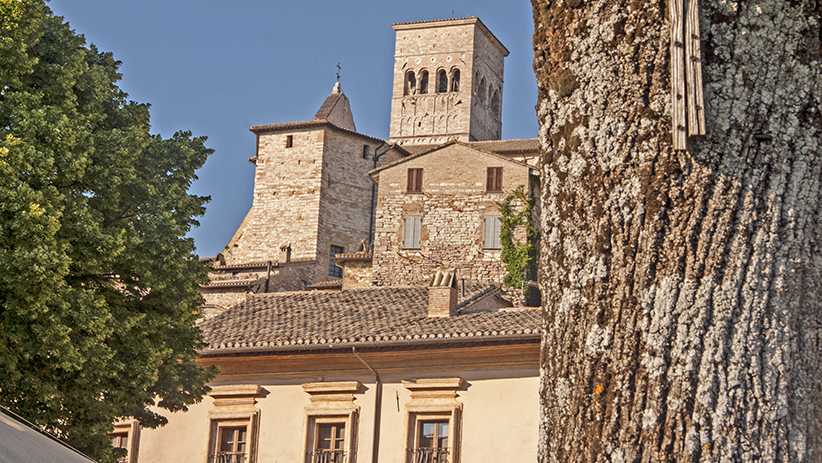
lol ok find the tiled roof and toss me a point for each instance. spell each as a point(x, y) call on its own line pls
point(524, 145)
point(329, 284)
point(369, 315)
point(436, 21)
point(327, 106)
point(361, 256)
point(241, 283)
point(257, 129)
point(374, 172)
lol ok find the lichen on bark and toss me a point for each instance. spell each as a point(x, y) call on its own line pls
point(682, 308)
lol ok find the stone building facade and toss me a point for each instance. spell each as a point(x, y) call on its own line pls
point(314, 198)
point(454, 209)
point(448, 79)
point(413, 333)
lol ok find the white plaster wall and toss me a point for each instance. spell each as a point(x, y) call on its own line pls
point(499, 421)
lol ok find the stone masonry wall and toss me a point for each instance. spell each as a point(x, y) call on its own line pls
point(452, 205)
point(489, 64)
point(286, 199)
point(345, 207)
point(435, 118)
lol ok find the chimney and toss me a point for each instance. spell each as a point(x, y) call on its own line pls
point(285, 254)
point(442, 293)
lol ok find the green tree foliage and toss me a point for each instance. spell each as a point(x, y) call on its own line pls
point(98, 286)
point(520, 257)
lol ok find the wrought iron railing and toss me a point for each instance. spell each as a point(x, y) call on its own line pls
point(428, 455)
point(328, 456)
point(227, 457)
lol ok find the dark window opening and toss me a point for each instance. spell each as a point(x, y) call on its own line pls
point(329, 445)
point(414, 181)
point(442, 81)
point(494, 180)
point(410, 83)
point(333, 269)
point(365, 151)
point(231, 445)
point(423, 82)
point(481, 91)
point(289, 141)
point(455, 81)
point(432, 443)
point(495, 103)
point(120, 441)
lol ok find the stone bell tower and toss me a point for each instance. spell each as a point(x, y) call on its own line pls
point(448, 77)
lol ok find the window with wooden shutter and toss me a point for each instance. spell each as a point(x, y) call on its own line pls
point(490, 232)
point(414, 181)
point(411, 232)
point(494, 180)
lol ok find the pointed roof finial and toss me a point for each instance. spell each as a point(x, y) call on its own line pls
point(337, 88)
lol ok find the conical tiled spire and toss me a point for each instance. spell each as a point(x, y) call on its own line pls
point(336, 110)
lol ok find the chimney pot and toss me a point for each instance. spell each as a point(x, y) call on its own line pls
point(442, 293)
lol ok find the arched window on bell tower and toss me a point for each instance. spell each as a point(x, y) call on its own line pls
point(481, 91)
point(442, 81)
point(455, 81)
point(423, 82)
point(495, 103)
point(410, 83)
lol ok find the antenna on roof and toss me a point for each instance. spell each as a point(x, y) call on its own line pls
point(338, 71)
point(452, 14)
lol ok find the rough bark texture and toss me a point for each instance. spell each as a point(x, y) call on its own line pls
point(681, 288)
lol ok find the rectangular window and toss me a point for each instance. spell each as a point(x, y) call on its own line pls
point(289, 141)
point(433, 431)
point(126, 436)
point(333, 269)
point(232, 445)
point(414, 181)
point(120, 441)
point(494, 180)
point(329, 445)
point(411, 232)
point(234, 421)
point(365, 151)
point(331, 422)
point(432, 441)
point(490, 232)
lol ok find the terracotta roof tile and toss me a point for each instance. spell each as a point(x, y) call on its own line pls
point(329, 284)
point(359, 315)
point(267, 128)
point(525, 145)
point(328, 106)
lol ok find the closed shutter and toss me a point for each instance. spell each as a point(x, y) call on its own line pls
point(494, 179)
point(414, 181)
point(411, 232)
point(490, 233)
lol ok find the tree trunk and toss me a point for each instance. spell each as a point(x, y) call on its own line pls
point(681, 288)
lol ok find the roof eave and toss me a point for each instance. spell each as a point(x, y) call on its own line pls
point(380, 343)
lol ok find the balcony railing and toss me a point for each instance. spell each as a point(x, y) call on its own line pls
point(429, 455)
point(328, 456)
point(227, 457)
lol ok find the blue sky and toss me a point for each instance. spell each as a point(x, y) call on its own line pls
point(216, 68)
